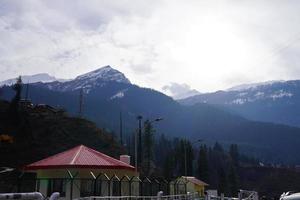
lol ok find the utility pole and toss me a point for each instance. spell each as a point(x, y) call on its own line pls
point(136, 150)
point(80, 103)
point(121, 128)
point(185, 159)
point(139, 157)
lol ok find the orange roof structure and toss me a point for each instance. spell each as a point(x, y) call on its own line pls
point(194, 180)
point(79, 157)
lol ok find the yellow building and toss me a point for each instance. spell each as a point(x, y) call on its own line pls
point(186, 184)
point(82, 171)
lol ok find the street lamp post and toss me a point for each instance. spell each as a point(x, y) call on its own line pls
point(138, 141)
point(185, 156)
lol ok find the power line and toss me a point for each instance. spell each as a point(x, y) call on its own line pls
point(291, 41)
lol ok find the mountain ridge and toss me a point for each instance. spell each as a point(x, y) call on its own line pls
point(276, 102)
point(247, 86)
point(103, 103)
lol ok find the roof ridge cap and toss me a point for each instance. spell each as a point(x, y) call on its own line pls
point(109, 157)
point(77, 154)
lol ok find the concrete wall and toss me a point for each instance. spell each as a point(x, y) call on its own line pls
point(75, 185)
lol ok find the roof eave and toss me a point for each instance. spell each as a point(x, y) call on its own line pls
point(34, 168)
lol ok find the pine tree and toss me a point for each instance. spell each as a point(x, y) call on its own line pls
point(168, 167)
point(162, 148)
point(203, 171)
point(14, 104)
point(222, 185)
point(148, 147)
point(189, 157)
point(217, 147)
point(184, 157)
point(179, 157)
point(233, 181)
point(234, 154)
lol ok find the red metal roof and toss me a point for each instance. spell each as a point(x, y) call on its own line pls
point(79, 157)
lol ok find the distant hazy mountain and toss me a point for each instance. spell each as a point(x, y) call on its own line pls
point(107, 92)
point(43, 77)
point(275, 101)
point(187, 94)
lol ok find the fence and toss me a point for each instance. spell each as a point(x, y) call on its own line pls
point(102, 185)
point(159, 196)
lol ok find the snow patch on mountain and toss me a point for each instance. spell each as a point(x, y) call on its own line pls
point(242, 94)
point(259, 95)
point(280, 94)
point(239, 101)
point(274, 95)
point(119, 94)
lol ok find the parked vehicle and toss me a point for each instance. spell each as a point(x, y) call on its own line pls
point(290, 196)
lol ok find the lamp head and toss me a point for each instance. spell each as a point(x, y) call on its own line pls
point(158, 119)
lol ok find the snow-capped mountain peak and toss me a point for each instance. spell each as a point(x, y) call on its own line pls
point(91, 80)
point(244, 87)
point(106, 73)
point(41, 77)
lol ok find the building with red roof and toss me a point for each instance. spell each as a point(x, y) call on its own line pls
point(78, 171)
point(80, 157)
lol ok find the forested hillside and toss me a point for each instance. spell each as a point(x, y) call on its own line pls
point(33, 133)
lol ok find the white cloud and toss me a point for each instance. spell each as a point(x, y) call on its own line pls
point(179, 91)
point(209, 45)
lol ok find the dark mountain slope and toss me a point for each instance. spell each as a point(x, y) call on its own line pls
point(41, 133)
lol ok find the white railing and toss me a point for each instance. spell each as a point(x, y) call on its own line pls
point(242, 195)
point(248, 195)
point(28, 196)
point(158, 197)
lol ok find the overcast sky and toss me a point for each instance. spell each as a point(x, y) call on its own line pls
point(204, 45)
